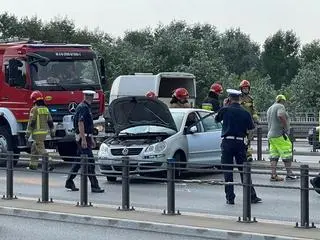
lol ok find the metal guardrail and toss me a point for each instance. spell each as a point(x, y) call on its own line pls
point(171, 167)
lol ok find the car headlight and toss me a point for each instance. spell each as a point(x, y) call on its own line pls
point(100, 127)
point(103, 150)
point(156, 148)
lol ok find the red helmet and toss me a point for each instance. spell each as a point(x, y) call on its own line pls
point(216, 88)
point(181, 93)
point(36, 96)
point(151, 94)
point(244, 83)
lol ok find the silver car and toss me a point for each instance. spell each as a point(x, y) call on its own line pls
point(148, 133)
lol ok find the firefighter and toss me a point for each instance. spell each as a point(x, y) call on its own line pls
point(151, 94)
point(246, 101)
point(180, 98)
point(212, 103)
point(39, 125)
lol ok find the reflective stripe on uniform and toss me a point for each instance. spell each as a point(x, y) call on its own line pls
point(207, 106)
point(40, 132)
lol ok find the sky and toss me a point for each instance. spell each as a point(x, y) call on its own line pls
point(257, 18)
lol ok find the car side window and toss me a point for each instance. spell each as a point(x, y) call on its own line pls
point(191, 119)
point(209, 124)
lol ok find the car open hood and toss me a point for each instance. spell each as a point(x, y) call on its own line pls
point(130, 112)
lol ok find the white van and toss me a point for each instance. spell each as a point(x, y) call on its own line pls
point(162, 84)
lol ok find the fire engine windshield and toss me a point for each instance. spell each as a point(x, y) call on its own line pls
point(65, 75)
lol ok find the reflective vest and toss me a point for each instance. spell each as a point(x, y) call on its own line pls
point(38, 122)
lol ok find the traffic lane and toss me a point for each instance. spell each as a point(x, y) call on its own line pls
point(19, 228)
point(278, 204)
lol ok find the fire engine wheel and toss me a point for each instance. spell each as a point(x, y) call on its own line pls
point(6, 144)
point(67, 150)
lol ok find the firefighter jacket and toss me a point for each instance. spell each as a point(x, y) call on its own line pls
point(180, 105)
point(211, 104)
point(40, 121)
point(247, 103)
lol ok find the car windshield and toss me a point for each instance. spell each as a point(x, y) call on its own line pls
point(147, 129)
point(67, 75)
point(178, 118)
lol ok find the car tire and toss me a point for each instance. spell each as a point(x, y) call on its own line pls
point(111, 179)
point(6, 144)
point(180, 164)
point(67, 150)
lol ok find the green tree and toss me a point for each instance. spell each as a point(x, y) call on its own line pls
point(9, 26)
point(280, 57)
point(240, 54)
point(305, 87)
point(310, 52)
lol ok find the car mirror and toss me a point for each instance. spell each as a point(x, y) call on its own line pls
point(192, 130)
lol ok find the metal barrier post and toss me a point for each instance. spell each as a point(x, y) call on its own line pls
point(171, 188)
point(259, 143)
point(292, 139)
point(45, 180)
point(314, 140)
point(125, 186)
point(246, 214)
point(84, 182)
point(304, 197)
point(10, 159)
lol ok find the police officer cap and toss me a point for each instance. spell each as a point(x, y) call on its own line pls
point(233, 92)
point(88, 92)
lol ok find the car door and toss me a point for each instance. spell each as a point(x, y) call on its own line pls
point(196, 147)
point(211, 138)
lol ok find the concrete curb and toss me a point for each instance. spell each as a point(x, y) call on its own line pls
point(182, 230)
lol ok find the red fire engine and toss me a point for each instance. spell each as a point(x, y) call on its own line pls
point(61, 72)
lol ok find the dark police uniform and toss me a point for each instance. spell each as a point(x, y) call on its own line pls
point(83, 113)
point(236, 123)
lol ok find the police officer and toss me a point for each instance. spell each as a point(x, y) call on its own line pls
point(212, 102)
point(246, 100)
point(39, 124)
point(83, 124)
point(180, 99)
point(236, 123)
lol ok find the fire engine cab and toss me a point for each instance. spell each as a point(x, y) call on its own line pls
point(61, 72)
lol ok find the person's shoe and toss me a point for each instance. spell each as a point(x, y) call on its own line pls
point(312, 182)
point(51, 168)
point(256, 200)
point(230, 202)
point(70, 185)
point(291, 177)
point(249, 159)
point(97, 190)
point(276, 178)
point(30, 167)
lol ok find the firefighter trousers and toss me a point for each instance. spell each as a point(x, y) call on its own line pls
point(37, 149)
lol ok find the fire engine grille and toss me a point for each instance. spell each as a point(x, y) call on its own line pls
point(59, 110)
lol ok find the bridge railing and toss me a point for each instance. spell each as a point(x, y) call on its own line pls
point(171, 169)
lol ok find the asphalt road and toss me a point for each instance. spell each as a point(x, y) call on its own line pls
point(14, 228)
point(278, 204)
